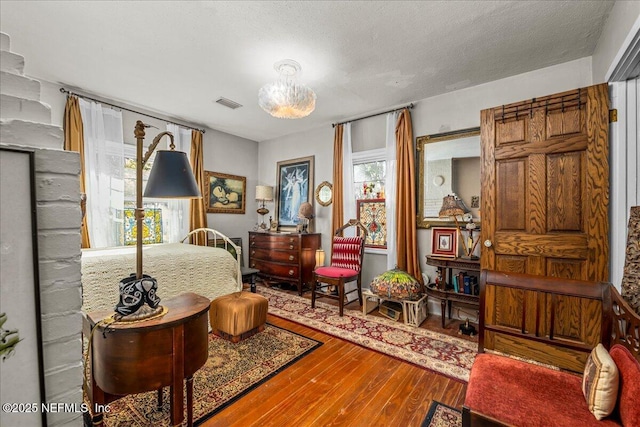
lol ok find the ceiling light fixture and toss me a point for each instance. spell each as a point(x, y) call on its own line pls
point(285, 98)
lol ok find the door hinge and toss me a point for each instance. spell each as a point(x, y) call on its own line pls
point(613, 115)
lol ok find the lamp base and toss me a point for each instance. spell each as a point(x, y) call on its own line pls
point(144, 313)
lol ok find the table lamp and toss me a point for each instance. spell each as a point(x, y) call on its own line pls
point(170, 177)
point(454, 207)
point(264, 193)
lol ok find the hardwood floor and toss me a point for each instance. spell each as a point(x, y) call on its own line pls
point(342, 384)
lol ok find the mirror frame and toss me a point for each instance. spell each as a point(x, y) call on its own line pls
point(421, 141)
point(319, 188)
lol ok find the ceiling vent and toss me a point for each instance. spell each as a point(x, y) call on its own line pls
point(228, 103)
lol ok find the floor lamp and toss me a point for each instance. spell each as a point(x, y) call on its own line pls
point(170, 177)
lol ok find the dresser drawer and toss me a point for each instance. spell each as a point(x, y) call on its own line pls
point(271, 255)
point(273, 269)
point(274, 242)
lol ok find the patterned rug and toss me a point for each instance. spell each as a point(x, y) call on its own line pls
point(231, 371)
point(441, 353)
point(441, 415)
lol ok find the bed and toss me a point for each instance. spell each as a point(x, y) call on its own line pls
point(209, 270)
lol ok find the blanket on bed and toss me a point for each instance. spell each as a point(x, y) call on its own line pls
point(178, 268)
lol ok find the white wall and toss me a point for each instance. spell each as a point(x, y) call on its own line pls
point(623, 17)
point(223, 153)
point(451, 111)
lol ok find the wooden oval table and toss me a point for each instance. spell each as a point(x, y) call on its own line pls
point(129, 358)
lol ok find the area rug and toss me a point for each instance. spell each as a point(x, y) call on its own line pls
point(231, 371)
point(441, 415)
point(444, 354)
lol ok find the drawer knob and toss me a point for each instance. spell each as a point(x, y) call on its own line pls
point(488, 243)
point(253, 243)
point(290, 257)
point(253, 265)
point(253, 252)
point(290, 272)
point(291, 239)
point(290, 246)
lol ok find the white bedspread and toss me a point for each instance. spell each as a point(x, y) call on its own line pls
point(177, 267)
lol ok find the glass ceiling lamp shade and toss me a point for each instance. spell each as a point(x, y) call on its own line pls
point(285, 98)
point(170, 176)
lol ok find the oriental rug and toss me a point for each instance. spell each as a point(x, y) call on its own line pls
point(441, 415)
point(231, 371)
point(444, 354)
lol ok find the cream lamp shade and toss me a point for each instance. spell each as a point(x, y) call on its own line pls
point(264, 192)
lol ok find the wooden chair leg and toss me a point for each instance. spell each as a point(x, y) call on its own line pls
point(314, 286)
point(341, 297)
point(360, 291)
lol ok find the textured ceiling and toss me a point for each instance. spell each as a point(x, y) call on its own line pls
point(178, 57)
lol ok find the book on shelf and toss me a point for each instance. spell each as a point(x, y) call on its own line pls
point(455, 284)
point(461, 276)
point(467, 285)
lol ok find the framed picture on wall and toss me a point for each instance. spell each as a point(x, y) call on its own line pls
point(294, 187)
point(21, 364)
point(444, 242)
point(225, 193)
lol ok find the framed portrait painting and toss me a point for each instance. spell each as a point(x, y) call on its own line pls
point(444, 242)
point(294, 187)
point(225, 193)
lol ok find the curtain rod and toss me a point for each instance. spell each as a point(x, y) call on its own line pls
point(63, 90)
point(410, 106)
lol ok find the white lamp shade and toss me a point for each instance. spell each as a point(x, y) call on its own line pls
point(264, 192)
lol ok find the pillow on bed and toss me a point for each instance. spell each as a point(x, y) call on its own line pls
point(600, 382)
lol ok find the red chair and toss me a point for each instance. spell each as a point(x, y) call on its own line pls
point(346, 266)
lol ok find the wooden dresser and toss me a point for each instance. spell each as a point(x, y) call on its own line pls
point(283, 257)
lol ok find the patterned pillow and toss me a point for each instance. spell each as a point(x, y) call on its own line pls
point(346, 252)
point(600, 382)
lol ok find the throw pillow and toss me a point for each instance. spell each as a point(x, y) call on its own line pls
point(600, 382)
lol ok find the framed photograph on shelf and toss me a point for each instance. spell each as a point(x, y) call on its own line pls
point(225, 193)
point(372, 213)
point(21, 363)
point(294, 187)
point(444, 242)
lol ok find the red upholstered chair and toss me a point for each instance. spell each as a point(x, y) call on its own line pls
point(346, 266)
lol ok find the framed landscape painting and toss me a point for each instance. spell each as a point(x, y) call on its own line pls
point(225, 193)
point(294, 187)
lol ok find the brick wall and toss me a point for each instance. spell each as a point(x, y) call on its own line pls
point(25, 122)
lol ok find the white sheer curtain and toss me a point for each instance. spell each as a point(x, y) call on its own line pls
point(348, 197)
point(177, 220)
point(390, 189)
point(104, 164)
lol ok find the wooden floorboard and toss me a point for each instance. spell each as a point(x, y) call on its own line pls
point(343, 384)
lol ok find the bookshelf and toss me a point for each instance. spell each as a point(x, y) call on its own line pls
point(443, 292)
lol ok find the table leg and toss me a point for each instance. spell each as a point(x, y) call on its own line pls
point(443, 303)
point(160, 398)
point(189, 401)
point(177, 391)
point(449, 309)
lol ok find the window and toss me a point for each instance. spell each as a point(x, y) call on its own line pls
point(152, 224)
point(369, 173)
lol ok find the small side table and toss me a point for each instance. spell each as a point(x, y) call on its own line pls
point(250, 274)
point(413, 312)
point(130, 358)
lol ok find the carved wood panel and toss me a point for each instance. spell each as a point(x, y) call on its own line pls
point(544, 169)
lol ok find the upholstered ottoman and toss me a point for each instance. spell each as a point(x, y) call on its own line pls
point(238, 315)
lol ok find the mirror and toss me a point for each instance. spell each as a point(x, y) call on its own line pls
point(324, 193)
point(448, 163)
